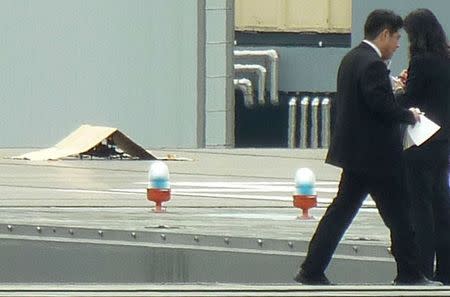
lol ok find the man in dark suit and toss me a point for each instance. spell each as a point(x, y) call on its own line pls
point(366, 144)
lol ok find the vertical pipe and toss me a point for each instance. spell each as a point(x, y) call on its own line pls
point(274, 77)
point(230, 138)
point(326, 122)
point(261, 85)
point(314, 141)
point(292, 122)
point(304, 104)
point(202, 81)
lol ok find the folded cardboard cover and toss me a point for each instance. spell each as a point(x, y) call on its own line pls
point(83, 140)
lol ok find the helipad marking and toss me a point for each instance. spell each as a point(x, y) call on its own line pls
point(274, 217)
point(246, 184)
point(97, 191)
point(241, 187)
point(230, 190)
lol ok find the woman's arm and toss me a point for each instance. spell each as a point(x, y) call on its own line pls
point(415, 83)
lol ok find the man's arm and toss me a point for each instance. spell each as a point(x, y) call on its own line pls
point(378, 96)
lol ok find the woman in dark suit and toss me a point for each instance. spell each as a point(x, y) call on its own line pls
point(428, 88)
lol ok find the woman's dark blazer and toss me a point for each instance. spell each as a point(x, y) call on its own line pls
point(428, 88)
point(366, 134)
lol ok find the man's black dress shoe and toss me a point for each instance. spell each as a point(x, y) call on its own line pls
point(311, 279)
point(422, 281)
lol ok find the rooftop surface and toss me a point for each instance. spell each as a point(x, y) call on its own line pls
point(230, 192)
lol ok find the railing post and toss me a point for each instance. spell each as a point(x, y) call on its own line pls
point(292, 122)
point(326, 123)
point(304, 105)
point(314, 140)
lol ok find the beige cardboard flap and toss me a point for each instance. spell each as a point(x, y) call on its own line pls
point(85, 140)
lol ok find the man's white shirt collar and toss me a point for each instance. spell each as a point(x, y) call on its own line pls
point(373, 46)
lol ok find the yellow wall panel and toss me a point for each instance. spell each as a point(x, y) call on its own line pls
point(293, 15)
point(340, 18)
point(259, 13)
point(306, 14)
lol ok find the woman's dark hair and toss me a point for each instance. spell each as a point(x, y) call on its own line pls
point(425, 33)
point(381, 19)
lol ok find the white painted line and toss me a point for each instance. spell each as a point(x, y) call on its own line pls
point(131, 190)
point(274, 217)
point(261, 189)
point(210, 194)
point(324, 201)
point(96, 191)
point(244, 197)
point(239, 184)
point(236, 190)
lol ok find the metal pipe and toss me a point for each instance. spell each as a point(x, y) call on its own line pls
point(246, 87)
point(304, 104)
point(261, 73)
point(292, 121)
point(314, 140)
point(326, 122)
point(274, 76)
point(273, 58)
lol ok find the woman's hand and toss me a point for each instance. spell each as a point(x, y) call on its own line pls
point(403, 76)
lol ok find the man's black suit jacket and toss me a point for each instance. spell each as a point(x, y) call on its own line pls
point(366, 135)
point(428, 88)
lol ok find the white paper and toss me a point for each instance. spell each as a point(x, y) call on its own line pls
point(420, 132)
point(407, 141)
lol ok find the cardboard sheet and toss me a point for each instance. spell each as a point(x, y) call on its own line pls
point(86, 138)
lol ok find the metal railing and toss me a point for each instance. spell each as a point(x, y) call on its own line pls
point(314, 122)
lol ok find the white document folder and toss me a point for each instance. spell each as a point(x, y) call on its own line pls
point(420, 132)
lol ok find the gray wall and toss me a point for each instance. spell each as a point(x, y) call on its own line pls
point(361, 9)
point(131, 64)
point(159, 70)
